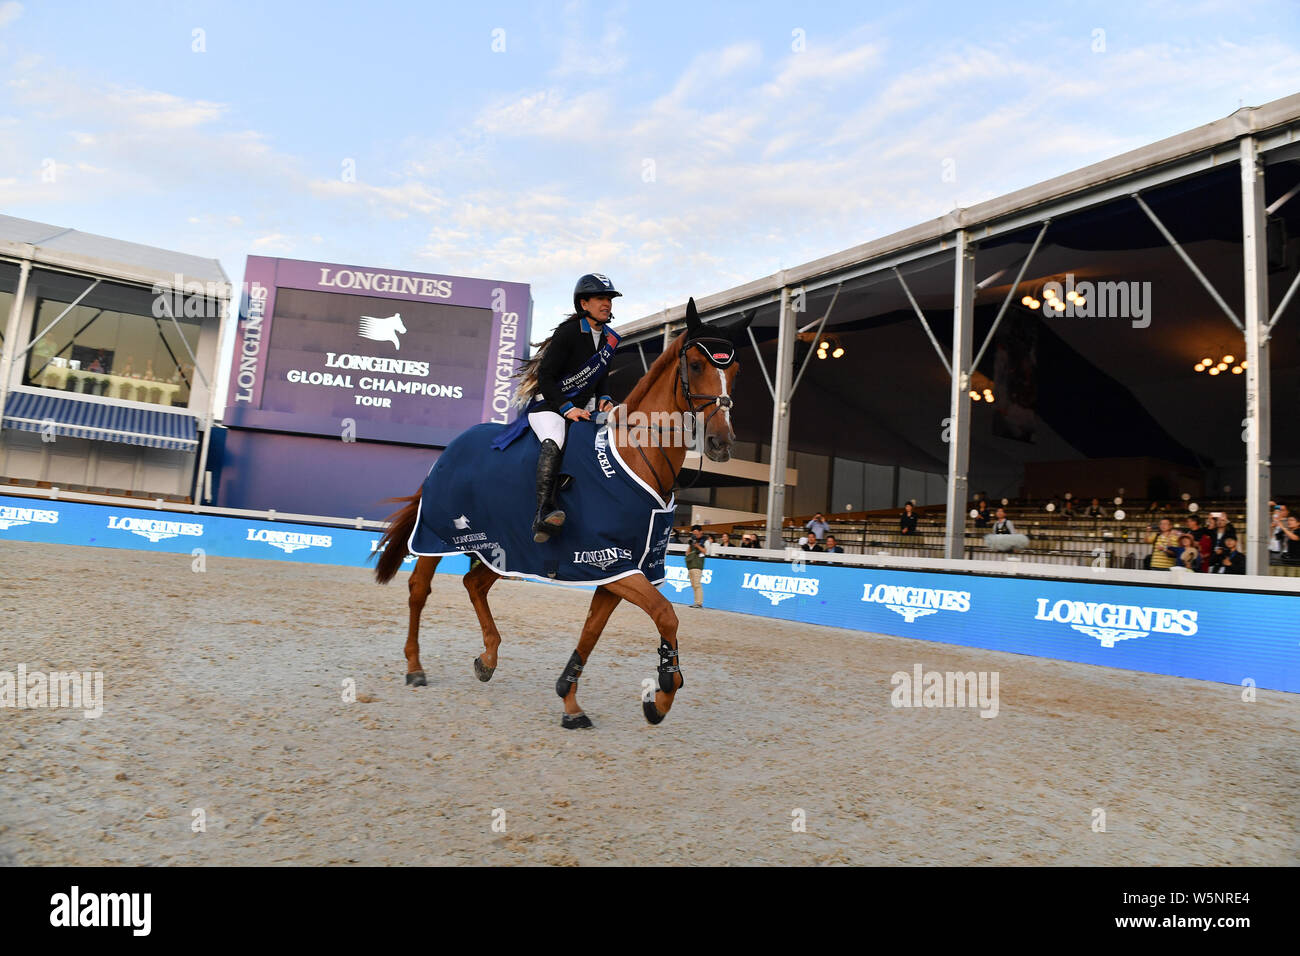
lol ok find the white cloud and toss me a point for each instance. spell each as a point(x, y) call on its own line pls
point(9, 12)
point(545, 114)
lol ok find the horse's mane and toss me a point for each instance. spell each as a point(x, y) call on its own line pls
point(666, 358)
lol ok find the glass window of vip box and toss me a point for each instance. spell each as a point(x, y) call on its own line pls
point(8, 288)
point(116, 341)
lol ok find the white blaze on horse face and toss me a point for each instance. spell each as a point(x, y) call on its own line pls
point(726, 412)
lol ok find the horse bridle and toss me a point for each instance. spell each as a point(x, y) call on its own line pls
point(720, 353)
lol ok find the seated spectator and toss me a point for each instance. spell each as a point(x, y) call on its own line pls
point(1188, 553)
point(981, 513)
point(817, 527)
point(1228, 560)
point(1067, 509)
point(1095, 510)
point(1003, 524)
point(748, 540)
point(1164, 542)
point(810, 544)
point(907, 520)
point(724, 541)
point(832, 546)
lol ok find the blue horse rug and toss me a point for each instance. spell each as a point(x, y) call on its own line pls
point(481, 500)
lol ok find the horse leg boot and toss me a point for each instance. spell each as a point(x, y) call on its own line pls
point(419, 587)
point(637, 590)
point(548, 519)
point(603, 603)
point(478, 581)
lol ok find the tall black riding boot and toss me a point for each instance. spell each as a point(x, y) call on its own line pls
point(548, 519)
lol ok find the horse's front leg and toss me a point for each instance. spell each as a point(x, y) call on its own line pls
point(603, 603)
point(419, 586)
point(637, 590)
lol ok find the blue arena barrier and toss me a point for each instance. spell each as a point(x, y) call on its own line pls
point(1180, 630)
point(177, 532)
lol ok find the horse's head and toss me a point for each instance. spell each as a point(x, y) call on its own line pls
point(707, 367)
point(397, 322)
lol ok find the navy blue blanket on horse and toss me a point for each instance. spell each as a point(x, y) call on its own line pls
point(481, 500)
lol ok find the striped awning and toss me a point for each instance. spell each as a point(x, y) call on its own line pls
point(77, 418)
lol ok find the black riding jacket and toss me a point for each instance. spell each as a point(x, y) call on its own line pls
point(570, 348)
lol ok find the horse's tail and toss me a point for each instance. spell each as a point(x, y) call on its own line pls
point(393, 544)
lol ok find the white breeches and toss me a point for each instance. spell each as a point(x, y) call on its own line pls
point(547, 425)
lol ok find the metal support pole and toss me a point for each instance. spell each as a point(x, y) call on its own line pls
point(14, 319)
point(758, 357)
point(924, 324)
point(1258, 419)
point(1182, 254)
point(820, 325)
point(62, 315)
point(1011, 294)
point(958, 426)
point(780, 423)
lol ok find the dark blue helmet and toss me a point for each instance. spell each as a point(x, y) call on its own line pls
point(593, 283)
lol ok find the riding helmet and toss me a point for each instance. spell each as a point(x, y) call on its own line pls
point(593, 283)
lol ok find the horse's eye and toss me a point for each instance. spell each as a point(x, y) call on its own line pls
point(695, 368)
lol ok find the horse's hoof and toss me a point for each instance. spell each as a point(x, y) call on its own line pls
point(576, 722)
point(652, 712)
point(482, 671)
point(416, 679)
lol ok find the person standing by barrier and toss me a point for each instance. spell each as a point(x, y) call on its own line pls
point(907, 520)
point(1228, 560)
point(696, 548)
point(1163, 540)
point(817, 527)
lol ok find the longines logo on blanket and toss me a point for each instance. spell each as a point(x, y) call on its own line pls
point(12, 517)
point(153, 528)
point(777, 587)
point(1109, 623)
point(290, 541)
point(680, 578)
point(603, 558)
point(916, 602)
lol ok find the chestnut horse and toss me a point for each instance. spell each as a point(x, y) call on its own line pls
point(684, 385)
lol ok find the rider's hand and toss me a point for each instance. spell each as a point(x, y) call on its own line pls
point(574, 414)
point(606, 407)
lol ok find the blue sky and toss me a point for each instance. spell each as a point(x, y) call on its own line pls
point(679, 148)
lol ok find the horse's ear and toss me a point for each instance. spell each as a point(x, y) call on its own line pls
point(735, 329)
point(694, 327)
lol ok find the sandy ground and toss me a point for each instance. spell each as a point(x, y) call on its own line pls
point(223, 692)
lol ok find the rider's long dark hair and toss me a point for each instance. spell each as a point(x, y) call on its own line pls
point(527, 373)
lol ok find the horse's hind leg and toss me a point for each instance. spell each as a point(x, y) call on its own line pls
point(419, 586)
point(478, 581)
